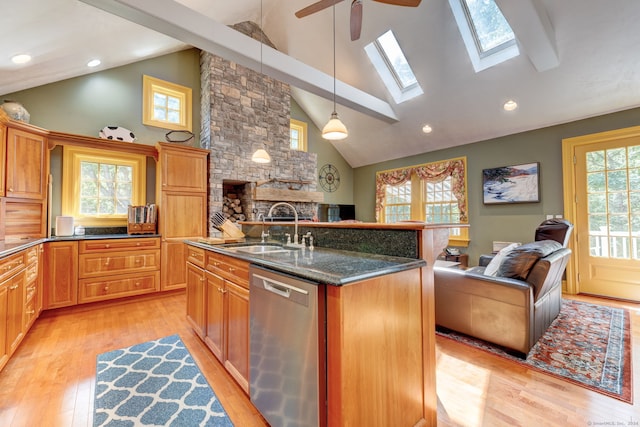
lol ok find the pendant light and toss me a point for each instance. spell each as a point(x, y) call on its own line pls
point(334, 129)
point(261, 155)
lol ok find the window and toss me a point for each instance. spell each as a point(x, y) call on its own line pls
point(485, 31)
point(432, 192)
point(440, 205)
point(389, 60)
point(166, 105)
point(298, 132)
point(397, 206)
point(98, 186)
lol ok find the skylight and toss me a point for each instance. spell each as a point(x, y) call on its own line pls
point(486, 33)
point(387, 57)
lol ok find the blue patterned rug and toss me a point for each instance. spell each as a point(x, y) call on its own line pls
point(155, 383)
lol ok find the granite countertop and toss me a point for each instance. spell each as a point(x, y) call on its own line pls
point(321, 265)
point(12, 246)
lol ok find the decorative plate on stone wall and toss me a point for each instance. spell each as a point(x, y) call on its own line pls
point(329, 178)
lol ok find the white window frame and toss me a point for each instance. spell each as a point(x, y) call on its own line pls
point(389, 77)
point(480, 60)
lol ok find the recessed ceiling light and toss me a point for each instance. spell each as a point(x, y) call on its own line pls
point(21, 59)
point(427, 129)
point(93, 63)
point(510, 105)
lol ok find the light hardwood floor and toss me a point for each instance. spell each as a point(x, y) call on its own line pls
point(50, 380)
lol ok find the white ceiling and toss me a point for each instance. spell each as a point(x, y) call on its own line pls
point(596, 41)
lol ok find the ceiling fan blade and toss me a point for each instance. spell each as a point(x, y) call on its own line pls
point(356, 19)
point(316, 7)
point(409, 3)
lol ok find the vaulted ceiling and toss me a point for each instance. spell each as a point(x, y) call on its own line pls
point(595, 41)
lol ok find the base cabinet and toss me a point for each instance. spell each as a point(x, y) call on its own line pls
point(61, 274)
point(224, 297)
point(174, 273)
point(196, 299)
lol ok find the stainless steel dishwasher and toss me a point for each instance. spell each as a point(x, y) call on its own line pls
point(287, 349)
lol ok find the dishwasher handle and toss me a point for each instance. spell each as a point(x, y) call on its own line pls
point(283, 289)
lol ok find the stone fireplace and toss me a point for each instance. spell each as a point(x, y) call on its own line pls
point(242, 111)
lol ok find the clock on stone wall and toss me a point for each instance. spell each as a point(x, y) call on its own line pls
point(329, 178)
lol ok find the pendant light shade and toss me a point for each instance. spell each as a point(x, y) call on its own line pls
point(261, 156)
point(334, 130)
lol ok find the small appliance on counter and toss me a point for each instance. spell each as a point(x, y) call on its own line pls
point(64, 226)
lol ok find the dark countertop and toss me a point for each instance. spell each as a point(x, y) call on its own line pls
point(10, 247)
point(321, 265)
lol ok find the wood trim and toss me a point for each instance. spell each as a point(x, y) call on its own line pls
point(61, 138)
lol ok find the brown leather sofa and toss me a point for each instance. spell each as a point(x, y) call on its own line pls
point(512, 309)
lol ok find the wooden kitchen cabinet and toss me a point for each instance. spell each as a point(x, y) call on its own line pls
point(115, 268)
point(4, 310)
point(196, 299)
point(24, 172)
point(3, 157)
point(215, 315)
point(33, 285)
point(26, 165)
point(181, 196)
point(237, 334)
point(61, 274)
point(227, 313)
point(12, 277)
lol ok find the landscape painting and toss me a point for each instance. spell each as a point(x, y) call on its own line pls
point(511, 184)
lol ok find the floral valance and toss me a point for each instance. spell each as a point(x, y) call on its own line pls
point(431, 172)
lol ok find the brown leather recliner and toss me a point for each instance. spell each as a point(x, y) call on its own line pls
point(512, 309)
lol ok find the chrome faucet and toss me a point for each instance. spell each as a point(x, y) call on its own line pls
point(295, 216)
point(263, 234)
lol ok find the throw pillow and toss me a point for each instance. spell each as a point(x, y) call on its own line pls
point(517, 263)
point(494, 264)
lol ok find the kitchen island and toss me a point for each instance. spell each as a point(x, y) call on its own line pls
point(380, 332)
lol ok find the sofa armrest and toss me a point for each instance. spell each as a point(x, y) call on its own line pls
point(494, 309)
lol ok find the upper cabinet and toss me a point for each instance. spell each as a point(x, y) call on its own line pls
point(26, 164)
point(182, 168)
point(3, 156)
point(24, 171)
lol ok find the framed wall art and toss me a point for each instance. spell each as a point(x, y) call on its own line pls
point(511, 184)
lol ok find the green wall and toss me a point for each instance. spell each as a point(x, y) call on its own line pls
point(515, 222)
point(84, 105)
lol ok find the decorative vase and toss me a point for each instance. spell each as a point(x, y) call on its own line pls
point(16, 111)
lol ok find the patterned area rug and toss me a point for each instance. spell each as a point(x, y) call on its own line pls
point(587, 344)
point(155, 383)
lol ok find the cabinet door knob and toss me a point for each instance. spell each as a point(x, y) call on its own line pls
point(231, 269)
point(106, 288)
point(10, 189)
point(107, 261)
point(137, 284)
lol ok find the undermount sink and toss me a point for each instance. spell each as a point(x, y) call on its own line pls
point(261, 249)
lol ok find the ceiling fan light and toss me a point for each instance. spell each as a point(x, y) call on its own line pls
point(334, 129)
point(261, 156)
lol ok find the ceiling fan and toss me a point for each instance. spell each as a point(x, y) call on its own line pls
point(356, 11)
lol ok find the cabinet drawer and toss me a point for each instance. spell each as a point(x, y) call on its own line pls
point(99, 264)
point(89, 246)
point(195, 256)
point(32, 255)
point(29, 313)
point(118, 286)
point(11, 265)
point(32, 272)
point(230, 268)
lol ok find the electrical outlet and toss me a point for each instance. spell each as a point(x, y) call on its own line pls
point(549, 216)
point(559, 216)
